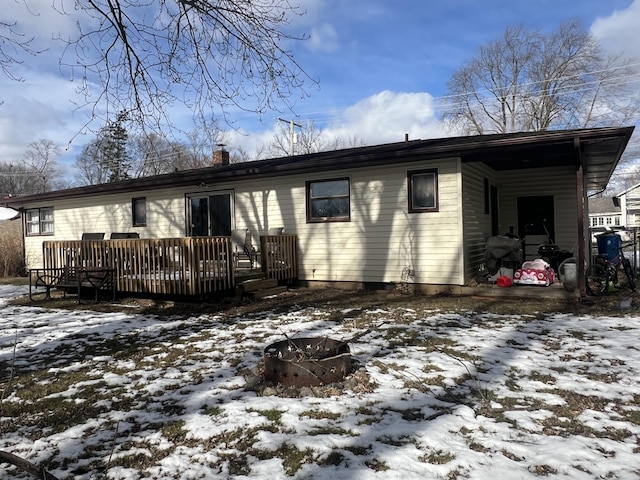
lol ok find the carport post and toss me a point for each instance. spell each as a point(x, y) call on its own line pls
point(581, 194)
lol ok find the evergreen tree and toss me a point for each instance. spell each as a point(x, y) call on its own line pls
point(114, 156)
point(107, 158)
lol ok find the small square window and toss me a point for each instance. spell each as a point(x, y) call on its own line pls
point(39, 221)
point(139, 211)
point(329, 200)
point(423, 190)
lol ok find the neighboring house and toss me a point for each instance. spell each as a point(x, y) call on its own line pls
point(605, 216)
point(362, 216)
point(629, 201)
point(605, 212)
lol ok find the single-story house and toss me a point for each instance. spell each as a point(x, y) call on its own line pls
point(364, 216)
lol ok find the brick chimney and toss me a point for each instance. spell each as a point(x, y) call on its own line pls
point(221, 157)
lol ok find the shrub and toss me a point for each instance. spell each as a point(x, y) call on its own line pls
point(11, 252)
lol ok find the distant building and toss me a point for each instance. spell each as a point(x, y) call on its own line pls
point(612, 214)
point(629, 201)
point(603, 212)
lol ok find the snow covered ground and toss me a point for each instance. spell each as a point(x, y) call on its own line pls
point(451, 395)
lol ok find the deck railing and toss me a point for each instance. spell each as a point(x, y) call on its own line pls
point(174, 266)
point(279, 256)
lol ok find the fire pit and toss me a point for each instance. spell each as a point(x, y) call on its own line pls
point(307, 362)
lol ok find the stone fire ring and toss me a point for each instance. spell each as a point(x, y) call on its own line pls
point(307, 362)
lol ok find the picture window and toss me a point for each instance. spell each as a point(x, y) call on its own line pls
point(328, 200)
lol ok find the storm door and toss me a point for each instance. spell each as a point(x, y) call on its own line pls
point(210, 215)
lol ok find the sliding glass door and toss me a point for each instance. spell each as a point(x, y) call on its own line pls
point(210, 214)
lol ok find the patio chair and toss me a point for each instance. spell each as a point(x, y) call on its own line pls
point(242, 248)
point(93, 236)
point(121, 235)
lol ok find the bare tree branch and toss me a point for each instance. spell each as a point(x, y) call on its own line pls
point(13, 44)
point(213, 56)
point(527, 81)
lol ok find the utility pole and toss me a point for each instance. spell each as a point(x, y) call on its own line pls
point(291, 133)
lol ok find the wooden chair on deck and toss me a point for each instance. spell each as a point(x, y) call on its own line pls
point(123, 235)
point(242, 248)
point(93, 236)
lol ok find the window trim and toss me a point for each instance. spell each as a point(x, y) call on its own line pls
point(190, 196)
point(411, 207)
point(40, 231)
point(133, 212)
point(309, 200)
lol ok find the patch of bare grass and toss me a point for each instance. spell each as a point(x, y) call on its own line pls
point(438, 457)
point(320, 414)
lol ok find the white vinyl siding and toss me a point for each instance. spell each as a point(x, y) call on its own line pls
point(382, 238)
point(477, 223)
point(380, 241)
point(111, 213)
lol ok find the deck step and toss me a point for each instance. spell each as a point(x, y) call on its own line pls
point(257, 284)
point(266, 292)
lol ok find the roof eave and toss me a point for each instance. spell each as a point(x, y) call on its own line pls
point(356, 157)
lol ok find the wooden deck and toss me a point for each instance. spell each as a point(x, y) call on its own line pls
point(190, 266)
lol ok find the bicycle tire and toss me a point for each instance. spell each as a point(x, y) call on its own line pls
point(596, 280)
point(628, 271)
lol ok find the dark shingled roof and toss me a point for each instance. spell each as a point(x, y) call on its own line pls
point(602, 205)
point(600, 148)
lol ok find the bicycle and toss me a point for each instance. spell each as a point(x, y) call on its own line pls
point(602, 276)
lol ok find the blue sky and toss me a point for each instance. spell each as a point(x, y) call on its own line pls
point(379, 65)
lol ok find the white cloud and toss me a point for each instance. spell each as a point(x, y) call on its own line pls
point(386, 117)
point(251, 142)
point(618, 33)
point(381, 118)
point(37, 108)
point(323, 38)
point(45, 27)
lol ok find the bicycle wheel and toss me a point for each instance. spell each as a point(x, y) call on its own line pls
point(628, 271)
point(596, 280)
